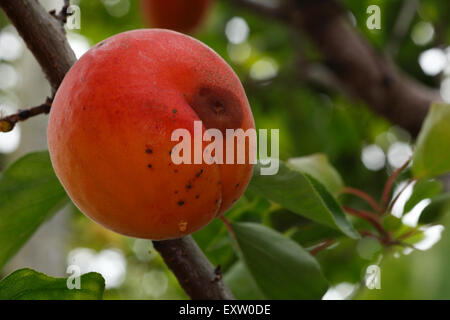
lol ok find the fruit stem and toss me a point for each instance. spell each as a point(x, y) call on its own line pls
point(227, 224)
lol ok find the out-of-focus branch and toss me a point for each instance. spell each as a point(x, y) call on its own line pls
point(7, 123)
point(361, 71)
point(46, 39)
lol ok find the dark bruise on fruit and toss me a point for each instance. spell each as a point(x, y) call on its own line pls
point(217, 108)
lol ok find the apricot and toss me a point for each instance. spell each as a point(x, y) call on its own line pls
point(179, 15)
point(110, 129)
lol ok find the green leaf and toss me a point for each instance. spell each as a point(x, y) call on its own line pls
point(280, 267)
point(318, 167)
point(436, 209)
point(303, 195)
point(312, 234)
point(368, 248)
point(391, 223)
point(343, 263)
point(241, 283)
point(414, 238)
point(431, 158)
point(282, 220)
point(423, 189)
point(29, 194)
point(27, 284)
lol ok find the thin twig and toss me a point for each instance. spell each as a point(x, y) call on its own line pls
point(390, 182)
point(365, 196)
point(367, 233)
point(7, 123)
point(228, 226)
point(322, 246)
point(399, 194)
point(371, 218)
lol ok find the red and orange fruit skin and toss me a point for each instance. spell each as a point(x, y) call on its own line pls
point(110, 128)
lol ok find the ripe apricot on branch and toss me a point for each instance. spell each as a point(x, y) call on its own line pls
point(110, 127)
point(179, 15)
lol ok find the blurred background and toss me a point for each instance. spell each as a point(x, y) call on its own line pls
point(313, 117)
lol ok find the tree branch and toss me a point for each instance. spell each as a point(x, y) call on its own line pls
point(45, 38)
point(362, 72)
point(7, 123)
point(63, 14)
point(194, 272)
point(371, 218)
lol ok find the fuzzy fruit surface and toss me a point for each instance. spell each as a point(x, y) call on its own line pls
point(179, 15)
point(110, 128)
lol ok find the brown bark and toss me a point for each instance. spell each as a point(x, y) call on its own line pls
point(44, 36)
point(199, 279)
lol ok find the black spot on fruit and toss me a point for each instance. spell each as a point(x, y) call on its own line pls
point(198, 174)
point(181, 202)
